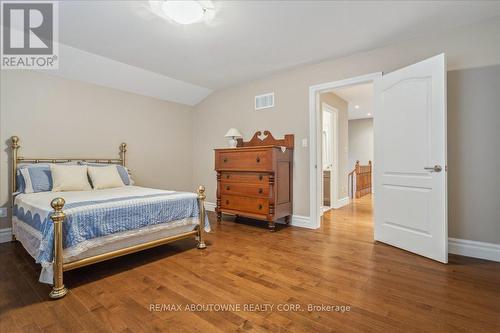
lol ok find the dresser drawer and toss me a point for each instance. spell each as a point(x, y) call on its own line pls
point(244, 177)
point(245, 189)
point(245, 204)
point(260, 160)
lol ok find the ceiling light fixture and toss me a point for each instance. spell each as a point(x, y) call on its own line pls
point(184, 11)
point(368, 114)
point(356, 106)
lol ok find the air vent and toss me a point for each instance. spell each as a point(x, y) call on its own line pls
point(264, 101)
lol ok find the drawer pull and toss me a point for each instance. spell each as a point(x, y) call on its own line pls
point(228, 187)
point(224, 160)
point(260, 206)
point(227, 202)
point(260, 177)
point(260, 191)
point(227, 176)
point(257, 159)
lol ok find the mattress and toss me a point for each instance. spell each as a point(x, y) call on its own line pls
point(100, 221)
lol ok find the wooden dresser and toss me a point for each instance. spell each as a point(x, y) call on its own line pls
point(255, 178)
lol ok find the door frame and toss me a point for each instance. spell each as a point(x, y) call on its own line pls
point(334, 171)
point(315, 177)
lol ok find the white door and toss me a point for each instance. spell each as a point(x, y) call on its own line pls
point(330, 149)
point(410, 155)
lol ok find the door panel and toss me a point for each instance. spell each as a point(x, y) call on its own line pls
point(406, 146)
point(398, 216)
point(410, 135)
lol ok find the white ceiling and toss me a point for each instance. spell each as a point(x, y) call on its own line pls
point(361, 95)
point(252, 39)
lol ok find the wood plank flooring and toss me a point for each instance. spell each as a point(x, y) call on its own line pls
point(387, 290)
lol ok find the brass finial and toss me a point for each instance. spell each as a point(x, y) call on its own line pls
point(58, 204)
point(58, 215)
point(15, 141)
point(201, 192)
point(123, 147)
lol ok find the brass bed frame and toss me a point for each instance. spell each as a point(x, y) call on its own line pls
point(58, 215)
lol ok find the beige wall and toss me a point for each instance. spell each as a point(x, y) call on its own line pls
point(341, 105)
point(58, 117)
point(473, 154)
point(360, 141)
point(467, 47)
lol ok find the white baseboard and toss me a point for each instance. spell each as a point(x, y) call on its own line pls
point(298, 221)
point(301, 221)
point(210, 206)
point(469, 248)
point(341, 203)
point(5, 235)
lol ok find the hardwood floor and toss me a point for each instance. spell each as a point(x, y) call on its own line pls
point(387, 289)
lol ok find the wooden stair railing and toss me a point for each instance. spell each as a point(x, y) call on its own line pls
point(363, 178)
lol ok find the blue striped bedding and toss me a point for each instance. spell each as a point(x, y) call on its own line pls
point(98, 213)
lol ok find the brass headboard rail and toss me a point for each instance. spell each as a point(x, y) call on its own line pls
point(16, 159)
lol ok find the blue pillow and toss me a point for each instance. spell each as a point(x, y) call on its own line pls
point(34, 178)
point(124, 174)
point(20, 182)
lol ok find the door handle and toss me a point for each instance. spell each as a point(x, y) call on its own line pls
point(436, 168)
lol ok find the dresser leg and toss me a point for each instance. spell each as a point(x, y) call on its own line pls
point(271, 226)
point(287, 219)
point(219, 217)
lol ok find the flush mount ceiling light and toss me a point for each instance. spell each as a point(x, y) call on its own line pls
point(356, 106)
point(184, 11)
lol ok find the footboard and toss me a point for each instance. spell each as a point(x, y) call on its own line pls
point(59, 267)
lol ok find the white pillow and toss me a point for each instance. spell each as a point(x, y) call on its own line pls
point(69, 178)
point(105, 177)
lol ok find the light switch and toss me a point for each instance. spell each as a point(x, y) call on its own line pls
point(304, 143)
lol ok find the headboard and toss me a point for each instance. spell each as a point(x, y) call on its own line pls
point(16, 159)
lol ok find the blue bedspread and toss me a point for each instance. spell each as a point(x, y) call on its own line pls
point(92, 219)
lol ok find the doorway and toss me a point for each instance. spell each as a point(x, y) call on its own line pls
point(409, 154)
point(329, 156)
point(346, 145)
point(360, 118)
point(319, 96)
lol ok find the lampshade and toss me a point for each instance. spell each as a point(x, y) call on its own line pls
point(233, 133)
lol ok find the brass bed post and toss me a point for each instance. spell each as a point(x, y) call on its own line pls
point(123, 150)
point(201, 227)
point(58, 289)
point(15, 148)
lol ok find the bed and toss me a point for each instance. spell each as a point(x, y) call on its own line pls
point(66, 230)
